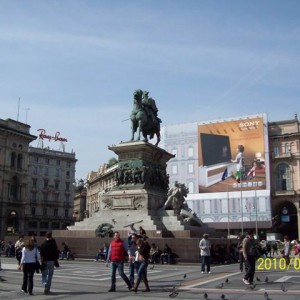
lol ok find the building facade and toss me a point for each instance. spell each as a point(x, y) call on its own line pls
point(284, 139)
point(51, 190)
point(36, 184)
point(15, 138)
point(206, 162)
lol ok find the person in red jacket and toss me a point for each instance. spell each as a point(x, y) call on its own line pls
point(116, 256)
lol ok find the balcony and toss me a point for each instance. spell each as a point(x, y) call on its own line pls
point(284, 193)
point(281, 155)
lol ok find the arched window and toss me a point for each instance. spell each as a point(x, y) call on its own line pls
point(283, 178)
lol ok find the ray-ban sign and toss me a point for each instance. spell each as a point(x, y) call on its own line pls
point(55, 138)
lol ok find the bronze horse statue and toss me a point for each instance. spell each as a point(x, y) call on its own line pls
point(142, 122)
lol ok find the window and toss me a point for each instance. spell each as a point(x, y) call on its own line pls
point(190, 151)
point(13, 159)
point(57, 172)
point(283, 178)
point(47, 161)
point(46, 171)
point(68, 164)
point(66, 213)
point(67, 186)
point(287, 148)
point(68, 174)
point(45, 211)
point(46, 183)
point(32, 224)
point(174, 169)
point(190, 168)
point(55, 225)
point(33, 211)
point(36, 159)
point(58, 162)
point(56, 197)
point(34, 170)
point(34, 183)
point(56, 185)
point(45, 196)
point(67, 198)
point(44, 225)
point(33, 196)
point(55, 212)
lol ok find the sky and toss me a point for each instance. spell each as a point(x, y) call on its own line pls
point(72, 65)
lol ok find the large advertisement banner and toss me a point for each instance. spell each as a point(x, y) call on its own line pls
point(232, 155)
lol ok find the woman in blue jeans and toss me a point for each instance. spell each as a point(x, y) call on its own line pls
point(142, 256)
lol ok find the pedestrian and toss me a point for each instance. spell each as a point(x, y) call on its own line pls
point(286, 249)
point(241, 256)
point(275, 248)
point(142, 257)
point(133, 264)
point(205, 246)
point(49, 255)
point(250, 253)
point(18, 248)
point(30, 255)
point(116, 257)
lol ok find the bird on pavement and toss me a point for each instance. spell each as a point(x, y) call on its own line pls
point(266, 279)
point(227, 280)
point(205, 295)
point(266, 295)
point(220, 286)
point(151, 268)
point(222, 296)
point(184, 276)
point(257, 279)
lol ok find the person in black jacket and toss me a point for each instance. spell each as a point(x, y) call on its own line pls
point(49, 254)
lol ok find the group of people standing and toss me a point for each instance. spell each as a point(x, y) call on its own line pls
point(138, 252)
point(47, 255)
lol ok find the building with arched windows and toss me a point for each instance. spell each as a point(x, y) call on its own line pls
point(14, 144)
point(284, 140)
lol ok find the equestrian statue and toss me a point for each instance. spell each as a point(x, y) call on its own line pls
point(144, 117)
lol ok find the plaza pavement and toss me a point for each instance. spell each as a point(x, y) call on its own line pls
point(86, 279)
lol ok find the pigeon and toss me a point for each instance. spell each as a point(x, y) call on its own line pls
point(2, 279)
point(266, 279)
point(227, 280)
point(151, 268)
point(266, 295)
point(257, 279)
point(220, 286)
point(184, 276)
point(114, 221)
point(283, 288)
point(205, 295)
point(174, 293)
point(222, 296)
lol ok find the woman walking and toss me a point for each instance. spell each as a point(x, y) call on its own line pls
point(142, 256)
point(28, 264)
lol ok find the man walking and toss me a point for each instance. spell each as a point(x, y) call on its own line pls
point(250, 253)
point(205, 246)
point(116, 255)
point(49, 254)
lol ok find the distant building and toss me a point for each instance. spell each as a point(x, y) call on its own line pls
point(51, 190)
